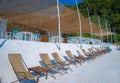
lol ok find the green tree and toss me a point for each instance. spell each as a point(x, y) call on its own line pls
point(106, 9)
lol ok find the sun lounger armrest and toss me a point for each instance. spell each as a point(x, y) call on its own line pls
point(59, 62)
point(22, 73)
point(49, 64)
point(55, 64)
point(65, 61)
point(69, 61)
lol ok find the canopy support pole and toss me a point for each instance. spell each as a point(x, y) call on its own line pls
point(59, 27)
point(79, 19)
point(90, 25)
point(100, 29)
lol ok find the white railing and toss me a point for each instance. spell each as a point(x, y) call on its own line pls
point(78, 40)
point(29, 36)
point(55, 39)
point(23, 35)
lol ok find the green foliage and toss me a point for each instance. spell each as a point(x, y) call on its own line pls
point(71, 7)
point(106, 9)
point(88, 35)
point(76, 34)
point(70, 34)
point(113, 38)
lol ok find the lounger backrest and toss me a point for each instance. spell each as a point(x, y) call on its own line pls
point(20, 68)
point(90, 50)
point(79, 54)
point(17, 62)
point(45, 58)
point(98, 49)
point(69, 54)
point(56, 57)
point(84, 51)
point(101, 48)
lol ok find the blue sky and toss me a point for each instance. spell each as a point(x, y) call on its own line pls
point(69, 2)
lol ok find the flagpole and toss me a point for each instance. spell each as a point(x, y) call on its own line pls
point(59, 27)
point(79, 19)
point(90, 25)
point(100, 29)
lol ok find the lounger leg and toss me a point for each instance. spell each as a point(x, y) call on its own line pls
point(60, 72)
point(16, 81)
point(70, 68)
point(64, 71)
point(37, 79)
point(80, 62)
point(52, 75)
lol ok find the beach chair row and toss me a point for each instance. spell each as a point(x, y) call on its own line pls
point(23, 72)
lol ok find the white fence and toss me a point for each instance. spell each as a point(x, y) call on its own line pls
point(27, 36)
point(55, 39)
point(79, 40)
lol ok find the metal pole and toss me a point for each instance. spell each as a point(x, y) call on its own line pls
point(100, 29)
point(79, 19)
point(59, 27)
point(90, 25)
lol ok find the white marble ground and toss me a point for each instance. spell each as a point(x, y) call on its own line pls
point(104, 69)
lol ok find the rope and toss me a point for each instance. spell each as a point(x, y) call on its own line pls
point(2, 43)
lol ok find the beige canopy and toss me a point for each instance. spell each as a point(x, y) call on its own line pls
point(46, 19)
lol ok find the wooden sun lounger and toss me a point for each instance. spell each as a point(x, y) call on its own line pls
point(60, 61)
point(81, 57)
point(89, 56)
point(72, 58)
point(92, 53)
point(98, 51)
point(20, 68)
point(46, 60)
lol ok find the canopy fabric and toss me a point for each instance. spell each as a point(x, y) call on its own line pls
point(45, 18)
